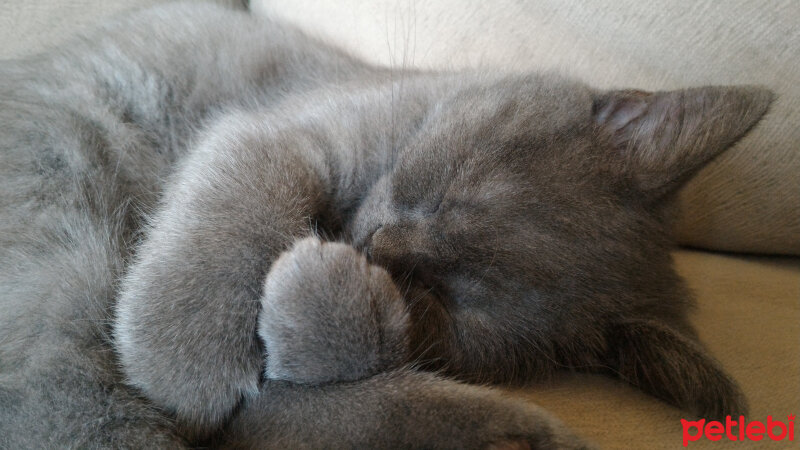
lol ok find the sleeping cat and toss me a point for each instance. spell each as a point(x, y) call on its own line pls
point(216, 230)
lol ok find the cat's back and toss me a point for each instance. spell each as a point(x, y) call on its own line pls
point(155, 75)
point(89, 133)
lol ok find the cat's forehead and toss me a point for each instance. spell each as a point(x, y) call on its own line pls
point(487, 124)
point(488, 117)
point(548, 98)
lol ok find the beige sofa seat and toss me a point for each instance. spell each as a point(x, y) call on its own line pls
point(748, 307)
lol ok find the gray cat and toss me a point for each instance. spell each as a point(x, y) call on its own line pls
point(218, 231)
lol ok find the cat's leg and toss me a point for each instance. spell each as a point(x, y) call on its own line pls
point(186, 317)
point(667, 364)
point(397, 409)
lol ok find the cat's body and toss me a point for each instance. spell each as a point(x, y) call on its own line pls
point(520, 218)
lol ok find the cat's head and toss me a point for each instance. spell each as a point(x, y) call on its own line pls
point(530, 215)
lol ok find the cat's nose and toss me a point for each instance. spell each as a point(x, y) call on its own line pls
point(385, 245)
point(365, 244)
point(403, 252)
point(396, 248)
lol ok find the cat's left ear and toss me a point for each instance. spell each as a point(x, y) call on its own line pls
point(664, 138)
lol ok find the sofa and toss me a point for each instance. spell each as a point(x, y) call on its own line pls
point(738, 219)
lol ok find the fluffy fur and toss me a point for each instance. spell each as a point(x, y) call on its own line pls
point(167, 180)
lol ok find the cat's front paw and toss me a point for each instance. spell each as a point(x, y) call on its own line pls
point(397, 409)
point(328, 315)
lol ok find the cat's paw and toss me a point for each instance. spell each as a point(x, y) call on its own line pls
point(328, 315)
point(481, 418)
point(673, 367)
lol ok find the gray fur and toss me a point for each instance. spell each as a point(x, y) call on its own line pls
point(152, 174)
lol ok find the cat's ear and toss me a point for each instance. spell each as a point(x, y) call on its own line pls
point(673, 367)
point(664, 138)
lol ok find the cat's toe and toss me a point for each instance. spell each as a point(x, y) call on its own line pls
point(519, 425)
point(516, 444)
point(524, 444)
point(329, 315)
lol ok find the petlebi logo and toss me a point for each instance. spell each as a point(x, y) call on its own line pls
point(738, 430)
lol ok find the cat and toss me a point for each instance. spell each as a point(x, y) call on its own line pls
point(218, 231)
